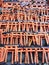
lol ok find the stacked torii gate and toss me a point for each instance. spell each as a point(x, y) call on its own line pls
point(20, 43)
point(15, 33)
point(22, 32)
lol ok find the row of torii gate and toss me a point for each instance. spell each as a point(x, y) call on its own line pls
point(24, 55)
point(25, 39)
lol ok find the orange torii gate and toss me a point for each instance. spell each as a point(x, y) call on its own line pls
point(31, 55)
point(24, 39)
point(25, 26)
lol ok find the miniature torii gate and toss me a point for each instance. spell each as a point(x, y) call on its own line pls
point(16, 58)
